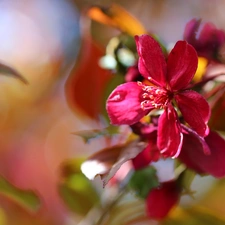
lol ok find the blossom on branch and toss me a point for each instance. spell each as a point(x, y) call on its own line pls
point(162, 199)
point(131, 101)
point(205, 38)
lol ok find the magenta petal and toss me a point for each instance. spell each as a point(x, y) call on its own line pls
point(181, 66)
point(210, 35)
point(133, 74)
point(148, 155)
point(205, 38)
point(195, 110)
point(201, 139)
point(124, 104)
point(151, 62)
point(191, 30)
point(170, 138)
point(145, 131)
point(193, 156)
point(161, 200)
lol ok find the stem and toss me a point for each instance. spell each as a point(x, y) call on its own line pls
point(110, 206)
point(98, 213)
point(214, 91)
point(201, 83)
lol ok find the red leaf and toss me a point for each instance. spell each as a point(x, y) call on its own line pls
point(108, 161)
point(85, 87)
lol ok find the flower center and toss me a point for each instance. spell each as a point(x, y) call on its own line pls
point(154, 97)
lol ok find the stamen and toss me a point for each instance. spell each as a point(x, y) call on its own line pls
point(145, 95)
point(154, 97)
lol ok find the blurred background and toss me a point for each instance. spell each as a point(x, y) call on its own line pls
point(54, 45)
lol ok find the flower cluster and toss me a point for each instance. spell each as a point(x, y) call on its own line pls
point(181, 130)
point(175, 116)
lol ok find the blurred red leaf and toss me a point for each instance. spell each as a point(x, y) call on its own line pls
point(86, 85)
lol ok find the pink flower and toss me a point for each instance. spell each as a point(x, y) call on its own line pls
point(205, 38)
point(131, 101)
point(148, 155)
point(193, 155)
point(133, 74)
point(147, 132)
point(203, 155)
point(162, 199)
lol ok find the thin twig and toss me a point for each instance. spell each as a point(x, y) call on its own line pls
point(202, 82)
point(97, 214)
point(110, 206)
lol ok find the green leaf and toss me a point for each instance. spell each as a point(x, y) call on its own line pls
point(87, 135)
point(9, 71)
point(70, 167)
point(25, 198)
point(78, 193)
point(75, 189)
point(142, 181)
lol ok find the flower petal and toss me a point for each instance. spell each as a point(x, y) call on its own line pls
point(151, 62)
point(191, 30)
point(161, 200)
point(145, 131)
point(124, 104)
point(193, 156)
point(133, 74)
point(201, 139)
point(205, 38)
point(170, 138)
point(149, 154)
point(211, 35)
point(181, 65)
point(195, 109)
